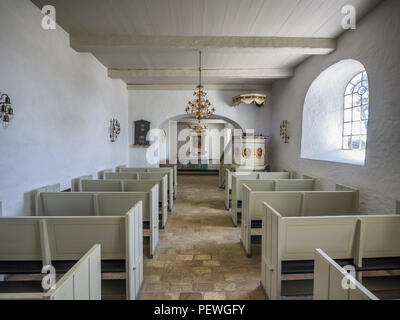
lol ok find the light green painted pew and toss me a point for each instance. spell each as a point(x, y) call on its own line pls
point(295, 238)
point(131, 186)
point(81, 282)
point(50, 202)
point(265, 185)
point(294, 203)
point(68, 238)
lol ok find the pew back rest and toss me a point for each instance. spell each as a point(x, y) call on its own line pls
point(66, 204)
point(101, 185)
point(82, 281)
point(96, 203)
point(380, 236)
point(20, 239)
point(38, 206)
point(329, 278)
point(274, 175)
point(287, 203)
point(120, 176)
point(132, 170)
point(140, 185)
point(116, 204)
point(294, 185)
point(325, 203)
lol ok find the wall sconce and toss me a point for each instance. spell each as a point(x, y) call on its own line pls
point(115, 130)
point(284, 131)
point(6, 112)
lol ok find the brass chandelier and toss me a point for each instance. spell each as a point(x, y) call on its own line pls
point(200, 107)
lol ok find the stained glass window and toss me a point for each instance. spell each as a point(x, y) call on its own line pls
point(355, 113)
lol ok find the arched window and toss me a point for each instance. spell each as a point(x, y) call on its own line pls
point(355, 113)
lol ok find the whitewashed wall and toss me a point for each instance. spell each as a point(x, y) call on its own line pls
point(160, 106)
point(63, 102)
point(375, 44)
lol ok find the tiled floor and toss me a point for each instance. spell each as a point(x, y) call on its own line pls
point(199, 255)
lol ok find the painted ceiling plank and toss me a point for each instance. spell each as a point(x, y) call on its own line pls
point(225, 73)
point(81, 42)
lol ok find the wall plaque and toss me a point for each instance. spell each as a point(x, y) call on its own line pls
point(142, 127)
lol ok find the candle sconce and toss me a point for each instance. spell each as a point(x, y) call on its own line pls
point(284, 131)
point(6, 112)
point(115, 130)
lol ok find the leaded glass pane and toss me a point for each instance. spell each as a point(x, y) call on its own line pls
point(363, 142)
point(348, 102)
point(356, 128)
point(347, 129)
point(347, 115)
point(356, 99)
point(347, 143)
point(364, 112)
point(355, 142)
point(364, 127)
point(357, 114)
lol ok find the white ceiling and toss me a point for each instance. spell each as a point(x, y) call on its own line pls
point(207, 18)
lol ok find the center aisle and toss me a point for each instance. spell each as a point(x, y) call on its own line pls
point(199, 255)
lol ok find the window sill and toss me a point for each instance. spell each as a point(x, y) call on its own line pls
point(341, 156)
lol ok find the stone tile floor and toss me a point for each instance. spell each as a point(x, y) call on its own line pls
point(199, 255)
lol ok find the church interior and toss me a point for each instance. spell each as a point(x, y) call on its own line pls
point(199, 150)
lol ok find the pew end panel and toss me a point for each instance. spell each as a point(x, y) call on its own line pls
point(118, 168)
point(82, 281)
point(100, 174)
point(356, 203)
point(76, 182)
point(329, 278)
point(134, 250)
point(38, 204)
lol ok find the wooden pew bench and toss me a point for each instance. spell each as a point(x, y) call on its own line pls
point(293, 203)
point(288, 243)
point(29, 243)
point(263, 185)
point(50, 202)
point(132, 186)
point(143, 174)
point(160, 175)
point(249, 175)
point(80, 282)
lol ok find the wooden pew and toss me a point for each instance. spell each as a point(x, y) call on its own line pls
point(249, 175)
point(328, 280)
point(100, 174)
point(76, 182)
point(118, 168)
point(81, 282)
point(131, 186)
point(172, 179)
point(29, 243)
point(289, 242)
point(172, 182)
point(56, 203)
point(264, 185)
point(294, 203)
point(160, 175)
